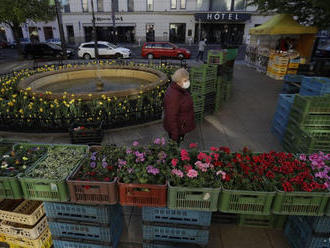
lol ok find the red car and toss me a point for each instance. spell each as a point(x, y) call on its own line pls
point(152, 50)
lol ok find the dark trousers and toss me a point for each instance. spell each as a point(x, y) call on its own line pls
point(200, 55)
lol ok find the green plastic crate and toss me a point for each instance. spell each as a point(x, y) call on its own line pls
point(203, 73)
point(203, 199)
point(300, 203)
point(216, 57)
point(305, 119)
point(246, 202)
point(10, 188)
point(263, 221)
point(231, 54)
point(312, 104)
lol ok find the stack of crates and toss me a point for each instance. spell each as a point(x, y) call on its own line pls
point(170, 228)
point(308, 232)
point(24, 224)
point(293, 66)
point(277, 66)
point(315, 86)
point(281, 117)
point(308, 128)
point(80, 226)
point(203, 89)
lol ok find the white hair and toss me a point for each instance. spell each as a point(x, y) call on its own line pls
point(179, 75)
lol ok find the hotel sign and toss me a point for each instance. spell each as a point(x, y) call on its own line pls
point(222, 17)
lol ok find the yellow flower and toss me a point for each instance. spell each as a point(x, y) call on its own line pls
point(89, 95)
point(100, 103)
point(25, 158)
point(41, 110)
point(52, 106)
point(29, 88)
point(21, 111)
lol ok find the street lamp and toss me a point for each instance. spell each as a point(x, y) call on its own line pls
point(94, 31)
point(60, 25)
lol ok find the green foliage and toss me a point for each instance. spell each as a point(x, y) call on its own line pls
point(309, 12)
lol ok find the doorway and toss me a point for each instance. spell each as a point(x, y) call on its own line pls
point(70, 32)
point(177, 32)
point(48, 31)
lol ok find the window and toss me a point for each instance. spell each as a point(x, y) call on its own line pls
point(84, 5)
point(130, 5)
point(221, 5)
point(167, 46)
point(88, 46)
point(102, 46)
point(240, 5)
point(115, 5)
point(66, 6)
point(173, 4)
point(150, 45)
point(150, 5)
point(182, 4)
point(100, 6)
point(203, 5)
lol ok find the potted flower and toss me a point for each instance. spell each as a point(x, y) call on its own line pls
point(247, 188)
point(194, 182)
point(302, 183)
point(46, 179)
point(142, 174)
point(89, 133)
point(94, 181)
point(16, 162)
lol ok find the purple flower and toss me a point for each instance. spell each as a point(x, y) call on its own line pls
point(302, 157)
point(128, 151)
point(93, 157)
point(139, 156)
point(93, 165)
point(121, 162)
point(157, 141)
point(135, 143)
point(130, 170)
point(152, 170)
point(104, 164)
point(94, 153)
point(163, 141)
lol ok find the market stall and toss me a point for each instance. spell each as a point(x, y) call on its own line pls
point(279, 45)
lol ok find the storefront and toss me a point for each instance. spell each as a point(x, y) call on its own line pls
point(226, 29)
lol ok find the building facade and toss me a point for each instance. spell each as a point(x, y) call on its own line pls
point(136, 21)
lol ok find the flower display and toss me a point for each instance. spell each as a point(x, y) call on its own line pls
point(20, 159)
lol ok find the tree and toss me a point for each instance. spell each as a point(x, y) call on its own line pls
point(307, 12)
point(16, 12)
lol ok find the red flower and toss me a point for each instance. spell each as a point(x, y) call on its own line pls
point(193, 145)
point(87, 187)
point(218, 163)
point(110, 167)
point(107, 179)
point(184, 155)
point(214, 149)
point(187, 167)
point(270, 174)
point(174, 162)
point(225, 149)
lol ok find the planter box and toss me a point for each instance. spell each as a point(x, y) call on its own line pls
point(92, 192)
point(203, 199)
point(23, 212)
point(91, 134)
point(300, 203)
point(142, 195)
point(246, 202)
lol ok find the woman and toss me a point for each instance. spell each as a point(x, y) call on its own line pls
point(178, 106)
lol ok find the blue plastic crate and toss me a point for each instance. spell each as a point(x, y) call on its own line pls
point(189, 217)
point(171, 245)
point(174, 234)
point(96, 232)
point(87, 213)
point(320, 224)
point(296, 240)
point(284, 103)
point(314, 86)
point(293, 78)
point(80, 244)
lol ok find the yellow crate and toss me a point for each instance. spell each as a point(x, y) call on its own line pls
point(25, 231)
point(44, 241)
point(291, 72)
point(279, 70)
point(27, 212)
point(293, 65)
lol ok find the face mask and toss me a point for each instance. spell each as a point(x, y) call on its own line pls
point(186, 84)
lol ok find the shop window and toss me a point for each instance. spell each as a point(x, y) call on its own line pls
point(130, 5)
point(150, 5)
point(221, 5)
point(100, 7)
point(48, 31)
point(183, 4)
point(173, 4)
point(84, 5)
point(240, 5)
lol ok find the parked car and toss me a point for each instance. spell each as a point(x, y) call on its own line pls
point(54, 41)
point(164, 50)
point(43, 50)
point(105, 49)
point(23, 41)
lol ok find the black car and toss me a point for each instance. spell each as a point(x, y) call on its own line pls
point(44, 50)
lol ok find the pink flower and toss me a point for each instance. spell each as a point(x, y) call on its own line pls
point(157, 141)
point(192, 173)
point(193, 145)
point(135, 143)
point(163, 141)
point(202, 166)
point(327, 157)
point(222, 173)
point(187, 167)
point(303, 157)
point(214, 149)
point(176, 172)
point(184, 155)
point(174, 161)
point(313, 157)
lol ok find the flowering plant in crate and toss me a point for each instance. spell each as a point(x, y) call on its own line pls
point(292, 173)
point(21, 158)
point(101, 164)
point(144, 164)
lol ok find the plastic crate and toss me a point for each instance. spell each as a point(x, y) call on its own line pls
point(203, 72)
point(91, 134)
point(231, 54)
point(87, 231)
point(203, 199)
point(315, 86)
point(313, 120)
point(224, 218)
point(216, 57)
point(25, 231)
point(246, 202)
point(166, 244)
point(44, 241)
point(320, 224)
point(84, 213)
point(184, 235)
point(299, 236)
point(300, 203)
point(10, 188)
point(312, 104)
point(284, 103)
point(142, 195)
point(80, 243)
point(92, 192)
point(263, 221)
point(166, 215)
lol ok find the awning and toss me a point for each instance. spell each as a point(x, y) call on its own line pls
point(282, 24)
